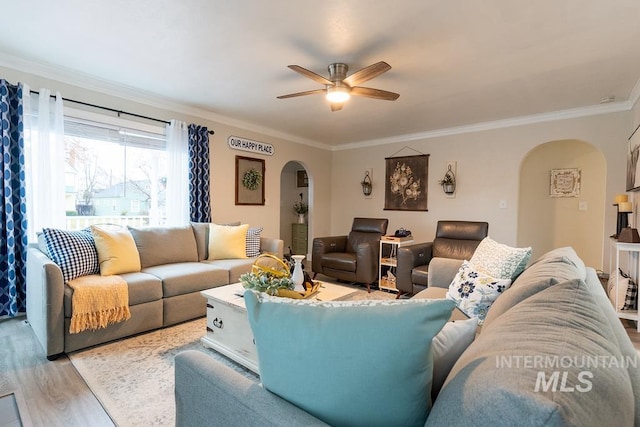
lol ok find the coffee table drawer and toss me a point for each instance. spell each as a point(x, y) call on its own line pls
point(228, 332)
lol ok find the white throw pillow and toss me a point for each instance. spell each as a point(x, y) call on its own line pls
point(500, 261)
point(474, 291)
point(448, 345)
point(625, 284)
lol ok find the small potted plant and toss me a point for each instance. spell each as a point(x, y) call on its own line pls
point(448, 183)
point(300, 208)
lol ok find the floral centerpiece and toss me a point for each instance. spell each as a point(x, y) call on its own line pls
point(272, 275)
point(265, 282)
point(268, 274)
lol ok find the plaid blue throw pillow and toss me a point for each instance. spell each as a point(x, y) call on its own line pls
point(73, 251)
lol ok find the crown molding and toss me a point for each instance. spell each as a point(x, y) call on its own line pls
point(84, 81)
point(497, 124)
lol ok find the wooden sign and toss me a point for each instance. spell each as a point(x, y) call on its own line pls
point(242, 144)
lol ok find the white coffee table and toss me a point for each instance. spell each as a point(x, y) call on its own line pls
point(228, 330)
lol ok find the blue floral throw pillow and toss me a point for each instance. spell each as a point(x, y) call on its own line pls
point(475, 291)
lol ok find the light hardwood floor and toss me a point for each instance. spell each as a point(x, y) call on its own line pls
point(52, 392)
point(630, 326)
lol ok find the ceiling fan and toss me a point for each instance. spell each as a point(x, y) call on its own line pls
point(339, 87)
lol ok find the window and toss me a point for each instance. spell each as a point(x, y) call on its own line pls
point(114, 174)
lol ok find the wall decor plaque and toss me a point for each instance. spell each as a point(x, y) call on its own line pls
point(257, 147)
point(565, 183)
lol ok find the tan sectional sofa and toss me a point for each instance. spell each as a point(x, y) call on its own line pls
point(166, 291)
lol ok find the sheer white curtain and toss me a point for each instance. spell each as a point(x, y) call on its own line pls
point(177, 196)
point(44, 161)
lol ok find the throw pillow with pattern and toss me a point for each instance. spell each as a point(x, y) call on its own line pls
point(499, 260)
point(474, 291)
point(74, 252)
point(253, 242)
point(631, 294)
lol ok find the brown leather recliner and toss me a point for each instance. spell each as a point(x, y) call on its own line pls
point(352, 258)
point(454, 239)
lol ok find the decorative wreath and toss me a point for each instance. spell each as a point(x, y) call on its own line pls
point(251, 179)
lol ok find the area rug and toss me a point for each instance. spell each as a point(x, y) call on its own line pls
point(133, 378)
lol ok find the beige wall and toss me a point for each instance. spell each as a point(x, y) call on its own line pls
point(561, 219)
point(488, 171)
point(317, 161)
point(488, 166)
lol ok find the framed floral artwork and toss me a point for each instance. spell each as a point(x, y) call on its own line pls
point(406, 183)
point(249, 181)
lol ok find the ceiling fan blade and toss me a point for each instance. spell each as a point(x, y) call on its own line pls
point(309, 92)
point(310, 74)
point(336, 106)
point(367, 73)
point(374, 93)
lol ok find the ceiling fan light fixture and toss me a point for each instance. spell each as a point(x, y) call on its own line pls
point(338, 88)
point(337, 94)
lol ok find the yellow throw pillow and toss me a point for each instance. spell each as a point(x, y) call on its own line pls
point(117, 251)
point(227, 242)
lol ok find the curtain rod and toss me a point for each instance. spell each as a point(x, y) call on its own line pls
point(119, 112)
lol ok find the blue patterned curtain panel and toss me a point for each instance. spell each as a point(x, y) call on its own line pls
point(13, 209)
point(199, 195)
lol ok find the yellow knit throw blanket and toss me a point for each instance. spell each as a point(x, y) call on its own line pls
point(97, 302)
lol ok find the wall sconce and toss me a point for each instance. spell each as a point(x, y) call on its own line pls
point(448, 182)
point(367, 186)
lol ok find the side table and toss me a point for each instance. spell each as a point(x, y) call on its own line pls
point(389, 260)
point(633, 259)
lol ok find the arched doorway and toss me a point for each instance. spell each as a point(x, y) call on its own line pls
point(546, 222)
point(294, 187)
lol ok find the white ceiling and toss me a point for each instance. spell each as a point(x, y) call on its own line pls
point(455, 63)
